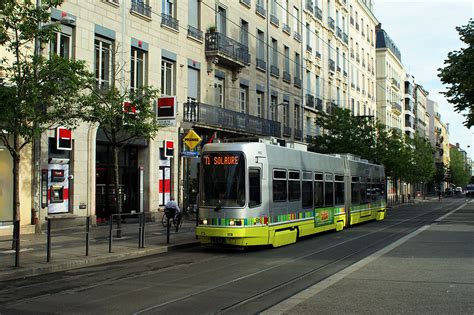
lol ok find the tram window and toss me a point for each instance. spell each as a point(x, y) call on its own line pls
point(318, 177)
point(339, 190)
point(307, 190)
point(328, 194)
point(363, 193)
point(329, 177)
point(280, 191)
point(355, 193)
point(255, 190)
point(294, 186)
point(318, 194)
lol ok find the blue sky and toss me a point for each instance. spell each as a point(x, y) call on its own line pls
point(424, 31)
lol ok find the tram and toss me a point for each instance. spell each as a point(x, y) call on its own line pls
point(263, 194)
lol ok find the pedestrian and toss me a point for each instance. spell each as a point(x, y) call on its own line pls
point(439, 194)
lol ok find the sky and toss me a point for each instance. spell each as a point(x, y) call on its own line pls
point(424, 31)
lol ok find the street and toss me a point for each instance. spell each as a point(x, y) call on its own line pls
point(203, 280)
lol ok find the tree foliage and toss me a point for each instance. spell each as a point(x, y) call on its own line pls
point(403, 158)
point(36, 93)
point(458, 173)
point(458, 73)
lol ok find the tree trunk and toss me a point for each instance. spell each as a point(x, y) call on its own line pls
point(118, 192)
point(16, 188)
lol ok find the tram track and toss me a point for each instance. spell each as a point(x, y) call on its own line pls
point(415, 224)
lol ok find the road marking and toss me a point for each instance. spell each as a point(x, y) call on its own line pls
point(12, 251)
point(304, 295)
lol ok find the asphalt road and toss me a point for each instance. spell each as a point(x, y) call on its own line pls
point(206, 280)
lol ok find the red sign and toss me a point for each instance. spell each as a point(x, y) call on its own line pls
point(168, 147)
point(63, 138)
point(129, 108)
point(166, 107)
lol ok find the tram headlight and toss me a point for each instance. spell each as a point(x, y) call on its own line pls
point(232, 222)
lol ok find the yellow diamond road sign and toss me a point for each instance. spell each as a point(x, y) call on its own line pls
point(192, 139)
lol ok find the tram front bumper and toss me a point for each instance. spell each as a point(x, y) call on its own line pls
point(242, 236)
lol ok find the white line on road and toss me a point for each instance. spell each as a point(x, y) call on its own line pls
point(288, 304)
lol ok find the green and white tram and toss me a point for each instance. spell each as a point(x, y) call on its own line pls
point(263, 194)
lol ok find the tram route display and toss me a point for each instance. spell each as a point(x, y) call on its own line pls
point(264, 194)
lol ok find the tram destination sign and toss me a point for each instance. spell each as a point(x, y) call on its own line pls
point(221, 159)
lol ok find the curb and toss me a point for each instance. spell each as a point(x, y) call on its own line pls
point(23, 273)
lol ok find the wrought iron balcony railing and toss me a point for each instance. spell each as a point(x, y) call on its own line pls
point(260, 10)
point(318, 104)
point(332, 65)
point(297, 36)
point(169, 21)
point(331, 23)
point(345, 38)
point(274, 71)
point(246, 2)
point(309, 100)
point(205, 114)
point(287, 131)
point(318, 55)
point(297, 82)
point(319, 13)
point(261, 64)
point(286, 28)
point(298, 134)
point(194, 32)
point(230, 51)
point(286, 77)
point(396, 107)
point(309, 48)
point(339, 32)
point(309, 5)
point(274, 20)
point(139, 6)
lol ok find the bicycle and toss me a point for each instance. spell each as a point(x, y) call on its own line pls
point(177, 220)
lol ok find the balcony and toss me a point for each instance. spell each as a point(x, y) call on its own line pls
point(194, 32)
point(345, 38)
point(209, 115)
point(339, 32)
point(352, 20)
point(274, 20)
point(331, 23)
point(228, 52)
point(297, 82)
point(396, 107)
point(260, 10)
point(318, 104)
point(319, 13)
point(309, 100)
point(140, 7)
point(338, 69)
point(297, 36)
point(286, 28)
point(332, 65)
point(395, 83)
point(247, 3)
point(309, 5)
point(344, 73)
point(274, 71)
point(286, 77)
point(261, 64)
point(357, 26)
point(286, 131)
point(298, 134)
point(353, 85)
point(309, 48)
point(169, 21)
point(318, 55)
point(330, 106)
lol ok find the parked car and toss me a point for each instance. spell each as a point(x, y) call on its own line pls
point(458, 190)
point(470, 191)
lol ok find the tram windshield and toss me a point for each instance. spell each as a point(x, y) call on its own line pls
point(223, 179)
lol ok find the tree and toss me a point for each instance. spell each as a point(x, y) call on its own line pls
point(459, 74)
point(345, 133)
point(123, 114)
point(458, 173)
point(423, 160)
point(37, 93)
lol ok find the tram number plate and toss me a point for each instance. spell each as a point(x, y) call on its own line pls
point(218, 240)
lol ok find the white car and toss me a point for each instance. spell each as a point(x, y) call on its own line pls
point(458, 190)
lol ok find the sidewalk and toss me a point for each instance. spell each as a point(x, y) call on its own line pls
point(429, 271)
point(68, 247)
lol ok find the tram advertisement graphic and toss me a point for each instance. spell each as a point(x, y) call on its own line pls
point(323, 216)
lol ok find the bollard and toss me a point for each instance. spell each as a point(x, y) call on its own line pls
point(87, 235)
point(17, 242)
point(143, 232)
point(48, 242)
point(139, 231)
point(110, 233)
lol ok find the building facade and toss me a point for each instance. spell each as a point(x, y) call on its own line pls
point(422, 115)
point(409, 106)
point(390, 76)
